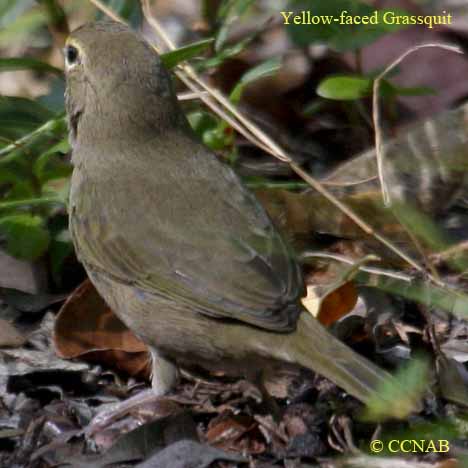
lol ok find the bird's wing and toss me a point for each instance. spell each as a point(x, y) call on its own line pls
point(193, 234)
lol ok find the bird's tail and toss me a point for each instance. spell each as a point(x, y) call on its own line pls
point(313, 347)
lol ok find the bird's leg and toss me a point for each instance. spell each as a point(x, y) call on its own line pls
point(164, 374)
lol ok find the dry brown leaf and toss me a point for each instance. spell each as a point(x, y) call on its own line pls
point(235, 433)
point(86, 326)
point(329, 295)
point(337, 304)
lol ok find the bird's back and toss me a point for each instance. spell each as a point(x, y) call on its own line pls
point(190, 231)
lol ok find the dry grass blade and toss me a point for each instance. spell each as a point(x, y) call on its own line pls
point(189, 96)
point(105, 9)
point(348, 261)
point(379, 148)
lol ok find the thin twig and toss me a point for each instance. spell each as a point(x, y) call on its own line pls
point(349, 261)
point(190, 96)
point(450, 252)
point(31, 202)
point(420, 249)
point(352, 183)
point(379, 148)
point(105, 9)
point(49, 125)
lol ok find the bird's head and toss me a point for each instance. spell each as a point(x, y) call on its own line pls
point(114, 79)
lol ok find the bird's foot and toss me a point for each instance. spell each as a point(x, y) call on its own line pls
point(118, 411)
point(164, 376)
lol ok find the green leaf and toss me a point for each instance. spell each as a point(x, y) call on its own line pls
point(421, 226)
point(332, 28)
point(57, 189)
point(50, 165)
point(233, 8)
point(352, 87)
point(216, 139)
point(202, 121)
point(31, 202)
point(56, 127)
point(20, 190)
point(171, 59)
point(26, 63)
point(415, 91)
point(344, 87)
point(388, 90)
point(400, 396)
point(229, 12)
point(56, 16)
point(21, 113)
point(257, 182)
point(211, 130)
point(226, 53)
point(269, 67)
point(26, 236)
point(8, 175)
point(451, 300)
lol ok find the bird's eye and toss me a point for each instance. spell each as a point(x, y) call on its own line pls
point(71, 55)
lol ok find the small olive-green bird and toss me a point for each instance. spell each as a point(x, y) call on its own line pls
point(177, 246)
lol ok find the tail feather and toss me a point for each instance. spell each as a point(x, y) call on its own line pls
point(313, 347)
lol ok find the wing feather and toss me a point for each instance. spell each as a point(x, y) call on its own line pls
point(207, 242)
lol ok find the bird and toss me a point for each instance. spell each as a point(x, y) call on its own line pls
point(177, 246)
